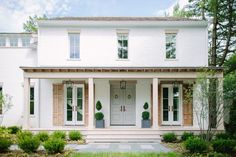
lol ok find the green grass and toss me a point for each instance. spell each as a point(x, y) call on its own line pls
point(109, 154)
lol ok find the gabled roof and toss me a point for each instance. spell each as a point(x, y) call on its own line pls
point(123, 19)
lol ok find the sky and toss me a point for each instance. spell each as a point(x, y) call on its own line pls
point(13, 13)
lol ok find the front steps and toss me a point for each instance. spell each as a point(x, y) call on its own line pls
point(122, 135)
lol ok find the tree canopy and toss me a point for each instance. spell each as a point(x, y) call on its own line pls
point(31, 24)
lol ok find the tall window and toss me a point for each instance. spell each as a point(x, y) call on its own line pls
point(25, 41)
point(171, 46)
point(13, 42)
point(2, 42)
point(74, 45)
point(1, 97)
point(31, 100)
point(122, 45)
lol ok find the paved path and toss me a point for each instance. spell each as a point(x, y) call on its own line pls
point(119, 147)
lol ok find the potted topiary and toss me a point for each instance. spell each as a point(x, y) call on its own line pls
point(99, 116)
point(145, 115)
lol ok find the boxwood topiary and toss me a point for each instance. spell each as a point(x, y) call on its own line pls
point(169, 137)
point(98, 105)
point(223, 145)
point(145, 115)
point(59, 134)
point(54, 145)
point(145, 106)
point(99, 116)
point(186, 135)
point(75, 135)
point(196, 145)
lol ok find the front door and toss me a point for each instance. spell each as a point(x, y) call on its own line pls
point(123, 105)
point(74, 104)
point(171, 105)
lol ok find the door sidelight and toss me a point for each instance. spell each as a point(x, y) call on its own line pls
point(124, 109)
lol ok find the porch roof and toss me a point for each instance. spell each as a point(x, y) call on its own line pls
point(118, 69)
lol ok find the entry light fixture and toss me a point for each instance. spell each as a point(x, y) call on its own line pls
point(175, 84)
point(122, 84)
point(69, 83)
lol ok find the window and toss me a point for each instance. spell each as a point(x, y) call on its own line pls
point(14, 42)
point(2, 42)
point(1, 96)
point(25, 41)
point(171, 46)
point(122, 46)
point(31, 100)
point(74, 45)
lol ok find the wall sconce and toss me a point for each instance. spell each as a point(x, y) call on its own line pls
point(175, 84)
point(122, 84)
point(69, 83)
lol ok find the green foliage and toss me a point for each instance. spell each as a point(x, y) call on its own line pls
point(14, 129)
point(98, 105)
point(169, 137)
point(54, 145)
point(99, 116)
point(187, 135)
point(215, 154)
point(223, 145)
point(196, 145)
point(223, 136)
point(5, 139)
point(145, 106)
point(27, 141)
point(43, 136)
point(145, 115)
point(75, 135)
point(31, 24)
point(59, 134)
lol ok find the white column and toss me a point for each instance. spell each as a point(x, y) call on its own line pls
point(26, 112)
point(91, 103)
point(155, 102)
point(220, 101)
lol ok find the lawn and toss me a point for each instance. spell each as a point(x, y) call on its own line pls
point(109, 154)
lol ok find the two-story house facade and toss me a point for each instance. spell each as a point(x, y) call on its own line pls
point(123, 62)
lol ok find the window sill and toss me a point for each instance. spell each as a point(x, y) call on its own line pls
point(171, 59)
point(71, 59)
point(122, 60)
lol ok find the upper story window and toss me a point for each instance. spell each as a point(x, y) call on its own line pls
point(25, 41)
point(13, 42)
point(122, 45)
point(74, 45)
point(171, 45)
point(2, 42)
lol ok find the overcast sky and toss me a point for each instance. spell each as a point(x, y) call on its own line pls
point(13, 13)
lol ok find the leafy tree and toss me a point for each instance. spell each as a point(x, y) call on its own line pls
point(31, 24)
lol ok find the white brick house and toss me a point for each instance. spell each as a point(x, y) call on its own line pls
point(55, 77)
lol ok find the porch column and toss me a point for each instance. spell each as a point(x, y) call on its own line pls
point(221, 113)
point(26, 112)
point(155, 102)
point(91, 103)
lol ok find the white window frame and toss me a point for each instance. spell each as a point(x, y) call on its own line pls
point(74, 100)
point(15, 43)
point(69, 35)
point(2, 43)
point(117, 35)
point(170, 100)
point(169, 32)
point(23, 39)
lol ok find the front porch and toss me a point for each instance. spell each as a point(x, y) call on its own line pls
point(162, 88)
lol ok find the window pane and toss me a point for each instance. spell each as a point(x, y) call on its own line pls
point(170, 46)
point(69, 115)
point(122, 46)
point(165, 92)
point(176, 116)
point(26, 41)
point(31, 100)
point(2, 42)
point(165, 115)
point(14, 42)
point(74, 46)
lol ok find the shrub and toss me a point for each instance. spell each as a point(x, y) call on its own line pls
point(54, 145)
point(186, 135)
point(223, 145)
point(59, 134)
point(14, 129)
point(98, 105)
point(75, 135)
point(223, 136)
point(145, 106)
point(145, 115)
point(196, 145)
point(169, 137)
point(5, 140)
point(99, 116)
point(215, 154)
point(43, 136)
point(27, 141)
